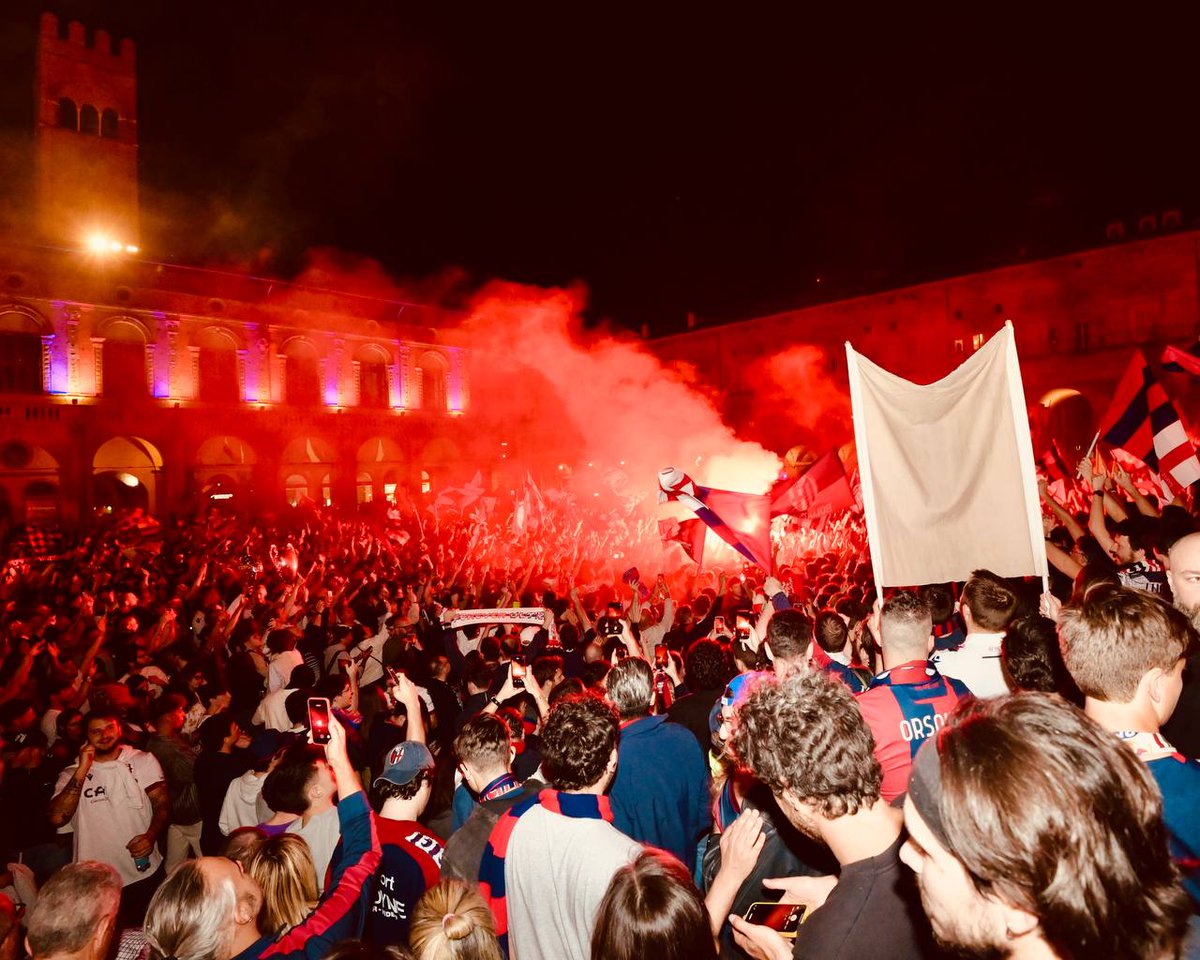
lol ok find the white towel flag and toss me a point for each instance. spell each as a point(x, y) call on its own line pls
point(947, 470)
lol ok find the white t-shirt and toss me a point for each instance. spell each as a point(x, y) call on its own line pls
point(556, 873)
point(280, 670)
point(272, 711)
point(113, 809)
point(371, 669)
point(321, 834)
point(50, 725)
point(976, 662)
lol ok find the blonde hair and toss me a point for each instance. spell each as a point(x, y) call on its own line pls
point(283, 867)
point(189, 920)
point(452, 922)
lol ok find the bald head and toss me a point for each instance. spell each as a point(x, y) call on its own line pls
point(1184, 575)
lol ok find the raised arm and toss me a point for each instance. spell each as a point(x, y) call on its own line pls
point(1061, 514)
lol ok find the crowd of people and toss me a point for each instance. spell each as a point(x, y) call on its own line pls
point(317, 737)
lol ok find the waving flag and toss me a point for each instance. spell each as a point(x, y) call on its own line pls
point(1175, 360)
point(742, 520)
point(689, 534)
point(818, 491)
point(1143, 422)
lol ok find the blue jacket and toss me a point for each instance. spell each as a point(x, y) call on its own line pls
point(660, 794)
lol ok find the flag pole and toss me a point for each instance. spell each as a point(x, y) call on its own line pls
point(1033, 509)
point(874, 543)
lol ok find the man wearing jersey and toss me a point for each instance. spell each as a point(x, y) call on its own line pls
point(987, 605)
point(909, 701)
point(411, 857)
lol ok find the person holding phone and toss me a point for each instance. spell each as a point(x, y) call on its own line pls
point(209, 908)
point(829, 787)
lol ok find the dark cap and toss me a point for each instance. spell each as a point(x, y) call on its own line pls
point(404, 761)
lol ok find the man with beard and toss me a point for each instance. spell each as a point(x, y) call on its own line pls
point(1183, 729)
point(1036, 834)
point(806, 740)
point(116, 802)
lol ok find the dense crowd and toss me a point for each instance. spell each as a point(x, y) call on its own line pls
point(441, 736)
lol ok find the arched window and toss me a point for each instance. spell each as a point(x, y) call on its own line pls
point(89, 119)
point(366, 488)
point(296, 488)
point(301, 378)
point(433, 388)
point(125, 369)
point(20, 362)
point(108, 123)
point(68, 114)
point(373, 378)
point(219, 375)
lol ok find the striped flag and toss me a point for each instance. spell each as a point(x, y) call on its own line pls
point(742, 520)
point(1143, 422)
point(817, 492)
point(1175, 360)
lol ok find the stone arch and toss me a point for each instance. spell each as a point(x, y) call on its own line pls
point(29, 482)
point(224, 468)
point(125, 474)
point(125, 329)
point(18, 318)
point(379, 463)
point(307, 462)
point(1068, 419)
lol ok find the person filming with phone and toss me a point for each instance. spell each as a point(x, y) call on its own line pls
point(209, 909)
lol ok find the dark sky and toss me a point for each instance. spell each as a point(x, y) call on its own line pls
point(671, 159)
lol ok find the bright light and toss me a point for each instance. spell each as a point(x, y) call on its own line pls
point(102, 244)
point(128, 479)
point(220, 496)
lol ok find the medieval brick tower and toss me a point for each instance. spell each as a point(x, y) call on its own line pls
point(86, 137)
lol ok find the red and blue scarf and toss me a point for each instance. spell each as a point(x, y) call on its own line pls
point(581, 806)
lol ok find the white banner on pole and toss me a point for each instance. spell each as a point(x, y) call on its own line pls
point(947, 469)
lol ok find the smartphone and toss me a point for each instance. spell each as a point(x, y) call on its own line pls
point(743, 628)
point(719, 627)
point(783, 918)
point(518, 672)
point(318, 718)
point(660, 655)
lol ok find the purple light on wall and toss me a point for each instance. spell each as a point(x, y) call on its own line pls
point(162, 383)
point(58, 373)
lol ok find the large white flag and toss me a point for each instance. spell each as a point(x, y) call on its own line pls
point(947, 470)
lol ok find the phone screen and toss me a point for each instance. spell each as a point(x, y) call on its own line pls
point(318, 719)
point(719, 627)
point(518, 672)
point(784, 918)
point(660, 654)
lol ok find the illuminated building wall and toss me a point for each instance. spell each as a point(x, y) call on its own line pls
point(1078, 319)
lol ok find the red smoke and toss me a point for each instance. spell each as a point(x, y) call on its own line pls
point(797, 388)
point(595, 397)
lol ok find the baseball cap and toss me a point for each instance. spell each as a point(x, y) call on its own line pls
point(404, 761)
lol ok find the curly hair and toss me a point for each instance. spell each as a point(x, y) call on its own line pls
point(1049, 813)
point(578, 739)
point(709, 665)
point(806, 735)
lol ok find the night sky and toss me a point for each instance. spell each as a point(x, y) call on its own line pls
point(729, 163)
